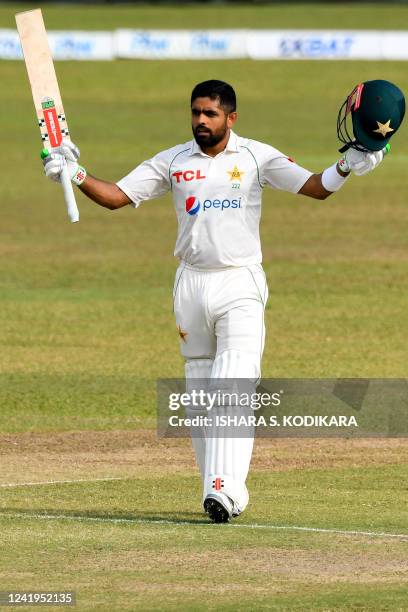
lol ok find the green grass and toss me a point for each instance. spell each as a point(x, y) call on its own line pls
point(86, 327)
point(140, 577)
point(345, 499)
point(242, 568)
point(285, 15)
point(94, 299)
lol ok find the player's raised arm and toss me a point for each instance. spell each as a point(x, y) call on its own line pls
point(147, 181)
point(104, 193)
point(320, 186)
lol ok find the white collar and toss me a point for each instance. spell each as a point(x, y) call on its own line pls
point(232, 145)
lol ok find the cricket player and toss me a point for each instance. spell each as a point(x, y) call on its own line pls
point(220, 290)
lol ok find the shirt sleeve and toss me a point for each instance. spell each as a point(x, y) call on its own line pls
point(147, 181)
point(283, 173)
point(278, 170)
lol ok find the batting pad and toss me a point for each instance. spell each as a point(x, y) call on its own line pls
point(198, 372)
point(228, 456)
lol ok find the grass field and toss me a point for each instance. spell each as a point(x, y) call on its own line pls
point(86, 328)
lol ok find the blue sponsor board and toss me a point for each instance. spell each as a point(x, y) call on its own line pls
point(316, 47)
point(63, 45)
point(320, 44)
point(206, 42)
point(218, 44)
point(181, 44)
point(68, 46)
point(10, 47)
point(81, 45)
point(147, 42)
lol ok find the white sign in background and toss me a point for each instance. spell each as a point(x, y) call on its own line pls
point(218, 44)
point(70, 45)
point(328, 44)
point(78, 45)
point(10, 47)
point(182, 44)
point(394, 45)
point(304, 44)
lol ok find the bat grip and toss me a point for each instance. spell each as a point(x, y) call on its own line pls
point(69, 196)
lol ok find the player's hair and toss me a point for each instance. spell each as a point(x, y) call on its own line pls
point(216, 90)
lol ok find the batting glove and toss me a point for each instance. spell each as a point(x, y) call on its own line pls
point(361, 162)
point(55, 159)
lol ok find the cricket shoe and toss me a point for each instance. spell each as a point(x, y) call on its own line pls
point(219, 507)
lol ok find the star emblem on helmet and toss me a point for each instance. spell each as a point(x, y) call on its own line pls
point(235, 174)
point(384, 128)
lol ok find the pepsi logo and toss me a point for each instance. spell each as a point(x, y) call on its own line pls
point(192, 205)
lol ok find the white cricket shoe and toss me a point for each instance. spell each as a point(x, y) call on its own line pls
point(219, 507)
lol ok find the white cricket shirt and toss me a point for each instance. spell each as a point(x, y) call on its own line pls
point(217, 199)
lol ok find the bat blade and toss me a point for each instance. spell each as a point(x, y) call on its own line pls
point(45, 90)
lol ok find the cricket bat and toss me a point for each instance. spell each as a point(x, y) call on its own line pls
point(46, 94)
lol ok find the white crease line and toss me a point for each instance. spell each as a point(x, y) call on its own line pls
point(48, 482)
point(139, 521)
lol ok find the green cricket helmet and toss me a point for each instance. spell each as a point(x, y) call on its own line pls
point(377, 109)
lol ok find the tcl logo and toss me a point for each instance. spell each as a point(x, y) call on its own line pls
point(188, 175)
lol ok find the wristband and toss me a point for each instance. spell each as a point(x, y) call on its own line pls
point(79, 176)
point(332, 180)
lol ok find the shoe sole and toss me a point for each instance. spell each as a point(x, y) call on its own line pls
point(216, 511)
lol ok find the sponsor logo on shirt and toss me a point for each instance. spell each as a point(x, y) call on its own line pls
point(193, 204)
point(188, 175)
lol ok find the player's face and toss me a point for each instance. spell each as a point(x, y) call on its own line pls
point(210, 122)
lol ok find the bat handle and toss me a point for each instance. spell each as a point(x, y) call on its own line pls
point(69, 196)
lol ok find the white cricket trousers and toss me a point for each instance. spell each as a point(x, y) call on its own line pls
point(220, 317)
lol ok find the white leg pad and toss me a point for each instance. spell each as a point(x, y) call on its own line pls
point(198, 372)
point(228, 457)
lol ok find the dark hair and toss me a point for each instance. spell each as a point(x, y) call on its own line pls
point(216, 89)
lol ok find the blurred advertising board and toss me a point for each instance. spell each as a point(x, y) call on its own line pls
point(182, 44)
point(218, 44)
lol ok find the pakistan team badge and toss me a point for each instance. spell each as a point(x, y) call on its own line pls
point(384, 128)
point(236, 177)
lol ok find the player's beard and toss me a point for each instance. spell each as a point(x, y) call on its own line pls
point(209, 138)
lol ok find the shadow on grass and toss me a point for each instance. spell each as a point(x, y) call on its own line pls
point(138, 517)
